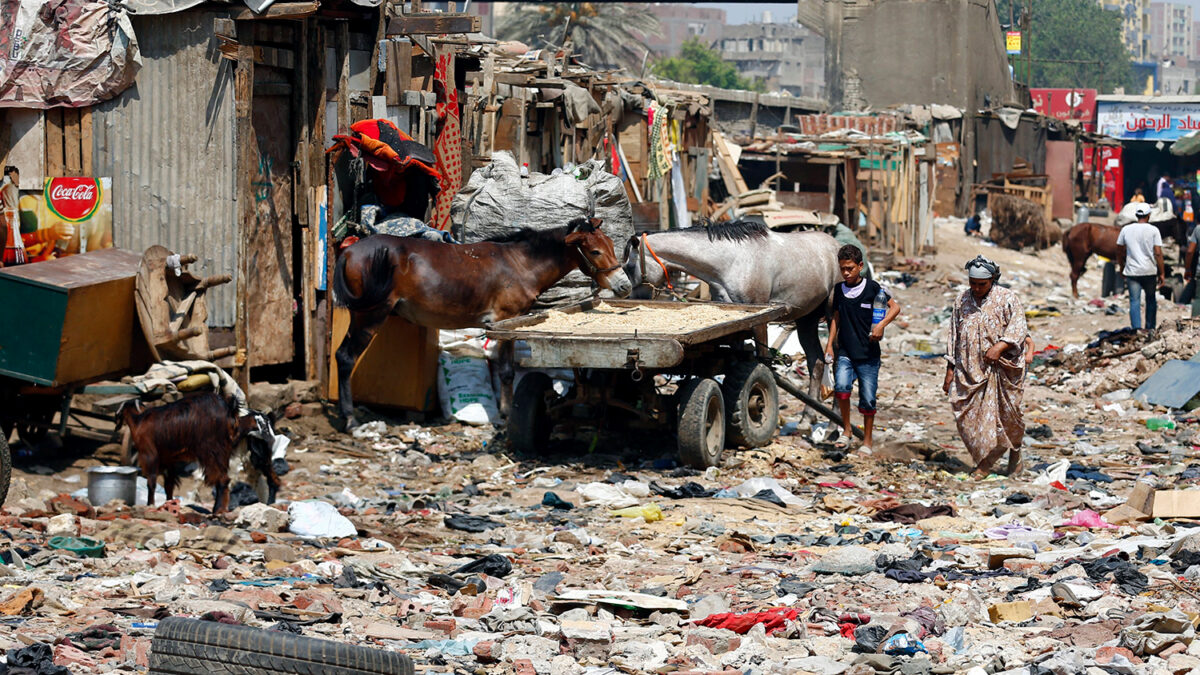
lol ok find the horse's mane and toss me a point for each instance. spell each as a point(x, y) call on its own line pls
point(540, 241)
point(732, 230)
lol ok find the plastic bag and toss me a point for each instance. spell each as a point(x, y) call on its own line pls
point(755, 485)
point(318, 519)
point(827, 382)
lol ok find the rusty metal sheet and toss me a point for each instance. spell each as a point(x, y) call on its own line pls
point(168, 144)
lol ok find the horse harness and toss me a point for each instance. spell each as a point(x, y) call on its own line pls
point(592, 270)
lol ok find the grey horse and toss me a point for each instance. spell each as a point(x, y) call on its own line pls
point(745, 262)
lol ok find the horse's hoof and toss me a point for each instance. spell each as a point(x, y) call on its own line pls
point(349, 424)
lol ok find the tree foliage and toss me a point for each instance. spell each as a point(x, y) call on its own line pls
point(698, 63)
point(1071, 30)
point(604, 35)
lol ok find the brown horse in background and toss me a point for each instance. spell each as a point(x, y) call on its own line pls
point(441, 285)
point(1082, 241)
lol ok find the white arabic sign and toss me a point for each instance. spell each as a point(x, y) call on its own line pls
point(1147, 121)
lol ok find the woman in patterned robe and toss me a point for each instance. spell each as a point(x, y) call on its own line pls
point(985, 373)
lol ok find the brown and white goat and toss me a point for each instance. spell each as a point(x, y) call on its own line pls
point(201, 428)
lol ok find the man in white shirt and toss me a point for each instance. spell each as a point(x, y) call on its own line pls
point(1140, 259)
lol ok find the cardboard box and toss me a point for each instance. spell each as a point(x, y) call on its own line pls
point(1176, 504)
point(1011, 611)
point(1124, 515)
point(1141, 497)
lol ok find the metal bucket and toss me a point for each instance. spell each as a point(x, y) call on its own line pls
point(106, 483)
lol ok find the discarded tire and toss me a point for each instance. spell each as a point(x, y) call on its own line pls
point(192, 647)
point(751, 405)
point(701, 429)
point(529, 423)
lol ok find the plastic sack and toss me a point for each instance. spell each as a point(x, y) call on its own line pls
point(314, 518)
point(605, 494)
point(498, 199)
point(465, 389)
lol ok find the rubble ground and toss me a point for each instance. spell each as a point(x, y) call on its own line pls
point(796, 557)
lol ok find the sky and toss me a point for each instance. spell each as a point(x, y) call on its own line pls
point(737, 12)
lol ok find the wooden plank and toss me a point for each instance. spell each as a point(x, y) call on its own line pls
point(343, 91)
point(247, 159)
point(382, 379)
point(730, 173)
point(434, 24)
point(749, 316)
point(399, 70)
point(280, 10)
point(72, 157)
point(55, 160)
point(585, 352)
point(85, 140)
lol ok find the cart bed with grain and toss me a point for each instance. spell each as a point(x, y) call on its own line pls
point(612, 345)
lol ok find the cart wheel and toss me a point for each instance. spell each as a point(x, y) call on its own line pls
point(701, 429)
point(39, 415)
point(751, 405)
point(5, 469)
point(529, 423)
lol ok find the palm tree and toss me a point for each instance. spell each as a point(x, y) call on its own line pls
point(602, 34)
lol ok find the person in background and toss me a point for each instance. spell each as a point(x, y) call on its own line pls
point(1140, 260)
point(1165, 190)
point(1138, 196)
point(985, 368)
point(1190, 268)
point(855, 331)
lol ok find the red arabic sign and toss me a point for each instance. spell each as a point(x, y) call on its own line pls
point(73, 199)
point(1067, 104)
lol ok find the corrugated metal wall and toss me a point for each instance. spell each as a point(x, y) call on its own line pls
point(168, 143)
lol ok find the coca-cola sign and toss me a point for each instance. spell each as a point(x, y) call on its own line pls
point(73, 199)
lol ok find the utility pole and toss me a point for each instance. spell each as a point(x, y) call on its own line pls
point(1027, 42)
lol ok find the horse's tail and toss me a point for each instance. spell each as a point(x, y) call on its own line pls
point(376, 281)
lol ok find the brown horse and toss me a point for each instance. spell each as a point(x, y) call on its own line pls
point(440, 285)
point(1085, 239)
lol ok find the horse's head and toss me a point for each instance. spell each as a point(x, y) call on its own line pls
point(644, 276)
point(596, 255)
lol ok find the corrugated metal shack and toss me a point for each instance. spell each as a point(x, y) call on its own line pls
point(218, 150)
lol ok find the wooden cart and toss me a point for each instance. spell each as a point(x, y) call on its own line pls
point(617, 347)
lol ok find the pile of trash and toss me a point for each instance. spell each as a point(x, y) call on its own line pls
point(420, 541)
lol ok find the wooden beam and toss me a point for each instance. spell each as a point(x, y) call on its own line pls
point(343, 90)
point(280, 10)
point(85, 139)
point(434, 24)
point(72, 152)
point(55, 164)
point(399, 70)
point(247, 160)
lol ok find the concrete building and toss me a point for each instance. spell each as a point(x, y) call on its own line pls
point(1171, 31)
point(786, 57)
point(887, 52)
point(1135, 33)
point(683, 22)
point(1177, 79)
